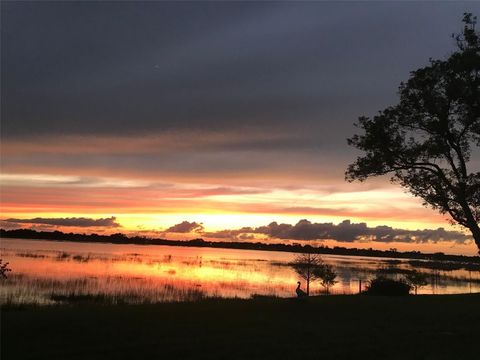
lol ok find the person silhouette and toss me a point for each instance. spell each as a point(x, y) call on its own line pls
point(300, 292)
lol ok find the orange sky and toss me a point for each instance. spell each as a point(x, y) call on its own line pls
point(147, 207)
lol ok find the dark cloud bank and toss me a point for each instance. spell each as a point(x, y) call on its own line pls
point(73, 221)
point(346, 231)
point(137, 67)
point(302, 70)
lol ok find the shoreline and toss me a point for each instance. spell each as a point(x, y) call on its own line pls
point(24, 234)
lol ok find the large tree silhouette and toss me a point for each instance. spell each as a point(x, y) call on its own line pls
point(426, 141)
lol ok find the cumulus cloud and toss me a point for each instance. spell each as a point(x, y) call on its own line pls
point(346, 231)
point(186, 227)
point(73, 221)
point(245, 233)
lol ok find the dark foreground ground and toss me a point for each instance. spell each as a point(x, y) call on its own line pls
point(334, 327)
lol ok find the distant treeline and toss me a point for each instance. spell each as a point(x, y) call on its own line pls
point(296, 248)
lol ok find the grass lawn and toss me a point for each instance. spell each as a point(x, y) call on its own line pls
point(327, 327)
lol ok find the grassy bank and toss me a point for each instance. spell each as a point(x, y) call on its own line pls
point(335, 327)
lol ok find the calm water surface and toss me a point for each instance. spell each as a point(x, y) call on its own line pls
point(47, 271)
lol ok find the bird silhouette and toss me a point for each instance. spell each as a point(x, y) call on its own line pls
point(300, 292)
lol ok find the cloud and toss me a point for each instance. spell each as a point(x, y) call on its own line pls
point(245, 233)
point(6, 225)
point(346, 231)
point(250, 138)
point(73, 221)
point(223, 66)
point(185, 227)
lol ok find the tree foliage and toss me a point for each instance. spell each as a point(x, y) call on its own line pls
point(416, 279)
point(306, 265)
point(426, 141)
point(327, 276)
point(311, 267)
point(387, 287)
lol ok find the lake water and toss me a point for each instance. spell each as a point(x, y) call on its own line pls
point(45, 272)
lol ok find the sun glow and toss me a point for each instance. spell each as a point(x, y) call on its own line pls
point(150, 208)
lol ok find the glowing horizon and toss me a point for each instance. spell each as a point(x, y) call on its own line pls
point(142, 207)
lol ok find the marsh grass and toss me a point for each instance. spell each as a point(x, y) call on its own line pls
point(20, 289)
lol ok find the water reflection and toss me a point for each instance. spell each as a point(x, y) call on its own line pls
point(47, 272)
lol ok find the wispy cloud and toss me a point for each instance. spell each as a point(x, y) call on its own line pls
point(69, 181)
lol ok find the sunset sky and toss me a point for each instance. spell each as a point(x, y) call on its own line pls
point(221, 120)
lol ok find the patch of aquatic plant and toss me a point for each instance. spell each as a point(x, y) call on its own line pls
point(31, 255)
point(444, 265)
point(63, 256)
point(81, 258)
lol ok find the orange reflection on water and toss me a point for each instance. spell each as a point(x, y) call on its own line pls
point(45, 270)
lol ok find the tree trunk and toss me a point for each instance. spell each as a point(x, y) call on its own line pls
point(471, 224)
point(475, 229)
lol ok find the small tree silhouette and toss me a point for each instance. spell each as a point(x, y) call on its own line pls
point(306, 265)
point(4, 269)
point(327, 276)
point(417, 279)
